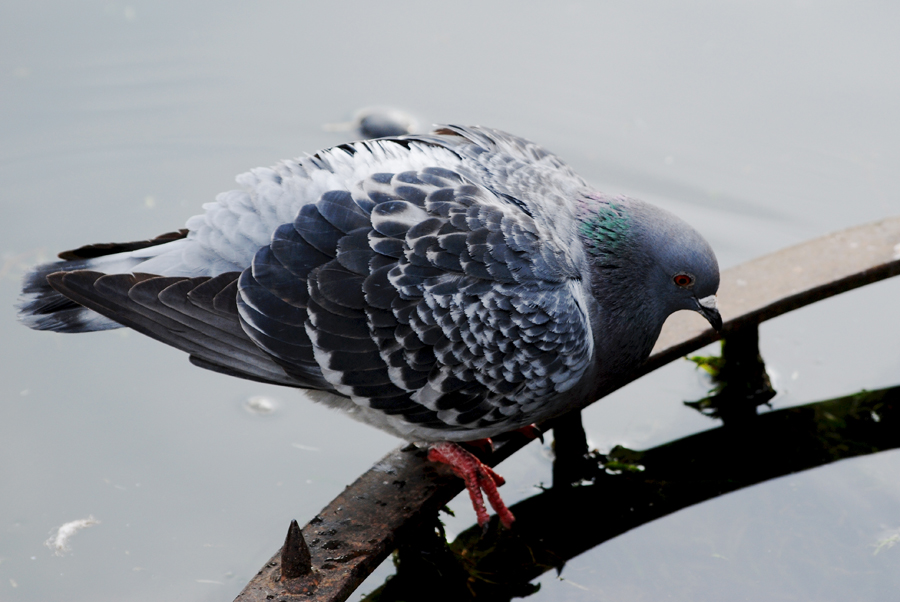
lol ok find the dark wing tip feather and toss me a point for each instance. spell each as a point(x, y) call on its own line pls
point(229, 371)
point(111, 248)
point(162, 308)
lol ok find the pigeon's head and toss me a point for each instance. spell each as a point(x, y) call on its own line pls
point(647, 258)
point(684, 273)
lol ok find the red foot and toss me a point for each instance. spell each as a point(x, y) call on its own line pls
point(478, 477)
point(532, 432)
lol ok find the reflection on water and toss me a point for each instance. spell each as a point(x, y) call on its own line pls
point(763, 125)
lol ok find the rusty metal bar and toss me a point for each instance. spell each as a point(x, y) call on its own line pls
point(356, 531)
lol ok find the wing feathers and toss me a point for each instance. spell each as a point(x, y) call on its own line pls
point(133, 300)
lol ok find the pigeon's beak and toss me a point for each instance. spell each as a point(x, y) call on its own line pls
point(708, 308)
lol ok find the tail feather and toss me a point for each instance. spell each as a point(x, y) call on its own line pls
point(41, 307)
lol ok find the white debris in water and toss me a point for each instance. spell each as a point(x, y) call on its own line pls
point(305, 447)
point(260, 405)
point(59, 542)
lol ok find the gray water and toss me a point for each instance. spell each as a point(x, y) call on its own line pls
point(763, 124)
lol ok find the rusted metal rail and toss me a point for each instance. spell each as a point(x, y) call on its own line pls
point(356, 531)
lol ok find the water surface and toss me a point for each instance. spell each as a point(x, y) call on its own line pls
point(762, 124)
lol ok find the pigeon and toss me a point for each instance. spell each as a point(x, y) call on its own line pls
point(444, 287)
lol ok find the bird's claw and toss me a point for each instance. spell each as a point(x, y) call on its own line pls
point(481, 481)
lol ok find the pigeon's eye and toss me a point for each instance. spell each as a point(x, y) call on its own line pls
point(683, 280)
